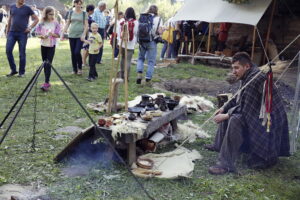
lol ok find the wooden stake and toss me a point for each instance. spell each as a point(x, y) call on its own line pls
point(269, 29)
point(253, 42)
point(209, 38)
point(126, 36)
point(112, 71)
point(193, 43)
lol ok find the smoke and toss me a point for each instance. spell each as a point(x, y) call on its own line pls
point(88, 155)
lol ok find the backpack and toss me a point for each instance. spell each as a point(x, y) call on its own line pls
point(130, 28)
point(145, 28)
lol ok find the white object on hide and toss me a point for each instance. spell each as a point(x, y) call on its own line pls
point(174, 164)
point(191, 131)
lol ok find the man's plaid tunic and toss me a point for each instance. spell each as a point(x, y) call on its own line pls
point(263, 144)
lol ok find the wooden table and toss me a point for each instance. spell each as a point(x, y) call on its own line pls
point(90, 134)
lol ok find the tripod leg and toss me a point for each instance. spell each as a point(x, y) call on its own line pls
point(19, 98)
point(22, 103)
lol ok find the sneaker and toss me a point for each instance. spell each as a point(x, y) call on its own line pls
point(73, 72)
point(11, 74)
point(148, 80)
point(138, 81)
point(79, 72)
point(45, 87)
point(21, 75)
point(116, 58)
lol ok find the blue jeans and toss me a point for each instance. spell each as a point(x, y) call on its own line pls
point(150, 48)
point(12, 38)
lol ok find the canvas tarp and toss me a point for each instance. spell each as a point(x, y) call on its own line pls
point(218, 11)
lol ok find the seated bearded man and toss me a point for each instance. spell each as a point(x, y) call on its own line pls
point(241, 127)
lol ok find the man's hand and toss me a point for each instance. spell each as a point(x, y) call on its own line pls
point(220, 118)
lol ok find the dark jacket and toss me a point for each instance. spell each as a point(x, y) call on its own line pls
point(261, 143)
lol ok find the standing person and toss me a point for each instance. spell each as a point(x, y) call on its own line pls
point(132, 24)
point(168, 42)
point(150, 29)
point(114, 36)
point(95, 43)
point(37, 12)
point(107, 16)
point(100, 19)
point(78, 22)
point(3, 21)
point(223, 35)
point(48, 30)
point(85, 49)
point(17, 31)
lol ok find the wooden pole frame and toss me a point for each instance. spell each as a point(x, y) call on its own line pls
point(193, 43)
point(125, 38)
point(269, 28)
point(253, 42)
point(209, 38)
point(112, 71)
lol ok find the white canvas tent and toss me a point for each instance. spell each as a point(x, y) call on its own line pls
point(218, 11)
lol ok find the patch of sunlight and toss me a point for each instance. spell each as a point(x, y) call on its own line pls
point(59, 83)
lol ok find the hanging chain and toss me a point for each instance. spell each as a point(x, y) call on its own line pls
point(34, 118)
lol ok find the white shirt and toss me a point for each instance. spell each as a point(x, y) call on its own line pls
point(156, 20)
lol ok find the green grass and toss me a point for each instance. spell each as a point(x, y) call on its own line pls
point(58, 109)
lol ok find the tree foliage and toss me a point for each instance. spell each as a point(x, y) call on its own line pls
point(237, 1)
point(166, 8)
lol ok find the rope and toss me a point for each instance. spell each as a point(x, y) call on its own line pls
point(261, 42)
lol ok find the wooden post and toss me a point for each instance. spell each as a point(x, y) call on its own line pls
point(253, 42)
point(209, 38)
point(126, 38)
point(112, 71)
point(193, 43)
point(269, 28)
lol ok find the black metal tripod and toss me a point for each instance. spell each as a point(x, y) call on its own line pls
point(23, 98)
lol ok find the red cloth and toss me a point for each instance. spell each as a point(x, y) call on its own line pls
point(130, 28)
point(223, 32)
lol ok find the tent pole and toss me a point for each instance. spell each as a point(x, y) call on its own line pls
point(253, 42)
point(269, 28)
point(209, 38)
point(193, 42)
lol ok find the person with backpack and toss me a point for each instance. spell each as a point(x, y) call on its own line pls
point(149, 31)
point(78, 23)
point(132, 24)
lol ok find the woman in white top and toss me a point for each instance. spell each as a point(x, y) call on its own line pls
point(132, 24)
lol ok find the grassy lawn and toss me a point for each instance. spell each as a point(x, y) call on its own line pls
point(56, 109)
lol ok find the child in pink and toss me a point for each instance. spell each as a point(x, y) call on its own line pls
point(48, 30)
